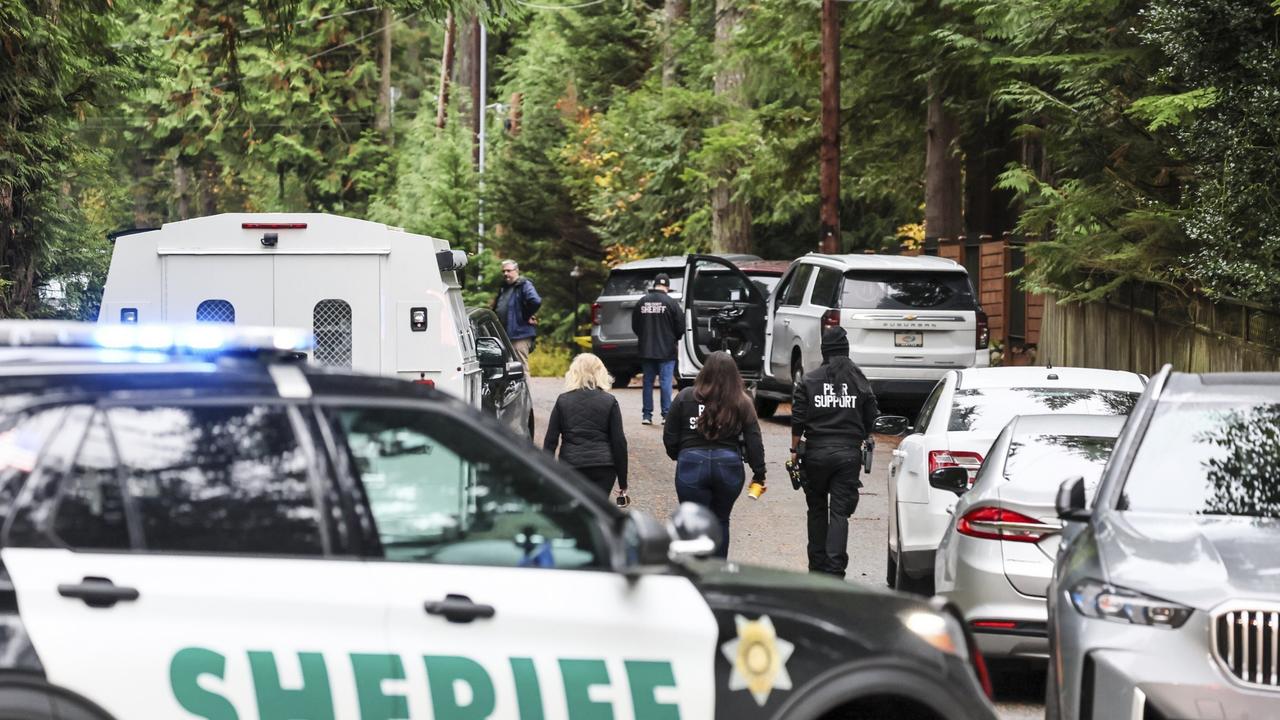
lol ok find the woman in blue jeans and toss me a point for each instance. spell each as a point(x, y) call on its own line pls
point(708, 429)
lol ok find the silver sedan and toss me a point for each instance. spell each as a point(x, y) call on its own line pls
point(996, 556)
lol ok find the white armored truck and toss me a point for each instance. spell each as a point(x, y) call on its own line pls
point(378, 299)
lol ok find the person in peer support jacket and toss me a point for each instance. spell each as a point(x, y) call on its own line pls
point(709, 427)
point(586, 424)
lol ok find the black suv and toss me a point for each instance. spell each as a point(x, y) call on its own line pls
point(197, 524)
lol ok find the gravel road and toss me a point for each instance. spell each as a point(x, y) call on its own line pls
point(771, 531)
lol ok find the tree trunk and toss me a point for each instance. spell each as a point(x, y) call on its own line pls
point(730, 217)
point(181, 183)
point(942, 211)
point(829, 154)
point(674, 13)
point(467, 75)
point(206, 188)
point(446, 71)
point(383, 121)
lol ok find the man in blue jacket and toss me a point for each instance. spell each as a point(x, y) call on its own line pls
point(516, 305)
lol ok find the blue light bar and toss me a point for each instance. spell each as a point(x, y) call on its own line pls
point(202, 339)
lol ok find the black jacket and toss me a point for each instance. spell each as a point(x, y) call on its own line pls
point(658, 323)
point(834, 406)
point(681, 433)
point(587, 425)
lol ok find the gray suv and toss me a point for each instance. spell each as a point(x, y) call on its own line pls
point(1165, 598)
point(611, 336)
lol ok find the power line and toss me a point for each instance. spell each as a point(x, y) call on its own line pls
point(560, 7)
point(362, 37)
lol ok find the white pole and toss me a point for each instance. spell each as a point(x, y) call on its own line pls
point(484, 114)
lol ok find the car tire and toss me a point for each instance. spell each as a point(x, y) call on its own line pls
point(902, 582)
point(531, 426)
point(621, 379)
point(765, 407)
point(797, 374)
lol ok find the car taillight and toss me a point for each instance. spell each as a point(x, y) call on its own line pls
point(970, 461)
point(426, 381)
point(595, 313)
point(982, 332)
point(831, 318)
point(994, 523)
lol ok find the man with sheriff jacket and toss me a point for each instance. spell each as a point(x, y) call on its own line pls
point(831, 412)
point(658, 322)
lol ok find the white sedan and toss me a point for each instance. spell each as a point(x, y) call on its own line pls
point(960, 419)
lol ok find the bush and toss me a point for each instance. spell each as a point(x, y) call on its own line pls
point(549, 360)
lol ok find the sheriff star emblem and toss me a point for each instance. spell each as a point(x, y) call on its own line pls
point(758, 657)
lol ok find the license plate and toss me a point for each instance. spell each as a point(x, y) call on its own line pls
point(908, 339)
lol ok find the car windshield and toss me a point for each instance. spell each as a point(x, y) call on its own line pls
point(907, 291)
point(987, 410)
point(1047, 459)
point(1218, 457)
point(639, 282)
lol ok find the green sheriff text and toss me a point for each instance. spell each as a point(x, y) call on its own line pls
point(313, 700)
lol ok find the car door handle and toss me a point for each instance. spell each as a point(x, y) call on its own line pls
point(98, 592)
point(786, 321)
point(458, 609)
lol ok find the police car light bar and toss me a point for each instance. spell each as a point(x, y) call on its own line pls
point(197, 339)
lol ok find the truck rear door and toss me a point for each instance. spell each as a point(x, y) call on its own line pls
point(908, 319)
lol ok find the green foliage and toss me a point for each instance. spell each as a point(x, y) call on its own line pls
point(57, 66)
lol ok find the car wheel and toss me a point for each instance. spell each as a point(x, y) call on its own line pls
point(797, 373)
point(903, 582)
point(765, 407)
point(622, 379)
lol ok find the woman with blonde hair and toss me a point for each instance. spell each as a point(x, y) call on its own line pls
point(586, 424)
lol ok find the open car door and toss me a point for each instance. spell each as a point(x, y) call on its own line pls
point(724, 310)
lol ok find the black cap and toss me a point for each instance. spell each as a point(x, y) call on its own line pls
point(835, 341)
point(662, 280)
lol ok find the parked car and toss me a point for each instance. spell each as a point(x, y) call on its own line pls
point(198, 524)
point(1165, 597)
point(504, 384)
point(956, 426)
point(996, 557)
point(611, 336)
point(909, 319)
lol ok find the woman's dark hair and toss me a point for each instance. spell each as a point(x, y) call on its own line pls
point(719, 387)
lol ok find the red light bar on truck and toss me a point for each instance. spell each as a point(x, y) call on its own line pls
point(273, 226)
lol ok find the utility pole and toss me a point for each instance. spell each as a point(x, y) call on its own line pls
point(446, 72)
point(829, 154)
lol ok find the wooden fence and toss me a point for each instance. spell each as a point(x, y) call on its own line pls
point(1141, 327)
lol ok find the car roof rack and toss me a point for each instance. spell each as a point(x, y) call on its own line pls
point(200, 340)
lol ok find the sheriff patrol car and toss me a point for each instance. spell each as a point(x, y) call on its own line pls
point(197, 524)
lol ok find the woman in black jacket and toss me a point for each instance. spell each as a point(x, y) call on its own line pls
point(707, 430)
point(586, 424)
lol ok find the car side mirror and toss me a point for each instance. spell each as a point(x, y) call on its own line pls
point(489, 352)
point(515, 369)
point(951, 479)
point(647, 541)
point(1071, 503)
point(891, 425)
point(695, 532)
